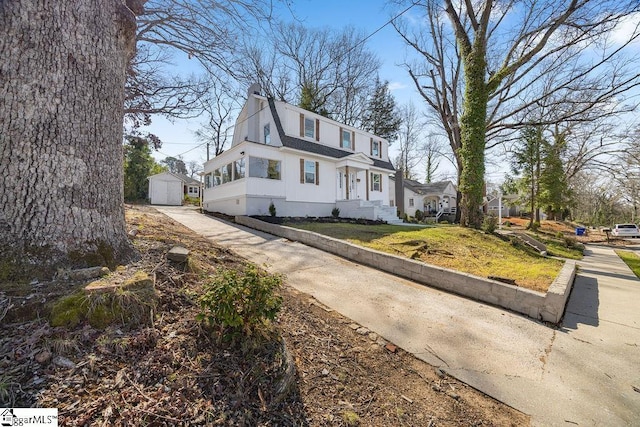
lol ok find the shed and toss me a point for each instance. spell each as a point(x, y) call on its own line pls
point(170, 188)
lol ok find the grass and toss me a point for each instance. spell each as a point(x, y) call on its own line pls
point(631, 259)
point(452, 247)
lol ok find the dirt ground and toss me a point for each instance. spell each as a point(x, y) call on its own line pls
point(592, 235)
point(173, 372)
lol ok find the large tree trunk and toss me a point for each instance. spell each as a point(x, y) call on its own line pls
point(62, 80)
point(473, 130)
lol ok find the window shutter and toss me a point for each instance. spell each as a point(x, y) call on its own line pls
point(371, 146)
point(353, 140)
point(317, 173)
point(317, 130)
point(301, 124)
point(301, 171)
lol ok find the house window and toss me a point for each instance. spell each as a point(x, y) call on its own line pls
point(375, 148)
point(410, 202)
point(309, 128)
point(227, 173)
point(217, 177)
point(346, 139)
point(376, 182)
point(267, 134)
point(193, 191)
point(238, 169)
point(309, 172)
point(264, 168)
point(207, 180)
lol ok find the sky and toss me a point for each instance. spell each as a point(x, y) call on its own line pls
point(365, 15)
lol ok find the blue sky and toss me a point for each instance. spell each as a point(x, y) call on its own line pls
point(365, 15)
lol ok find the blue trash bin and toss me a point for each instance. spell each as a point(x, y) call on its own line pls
point(580, 231)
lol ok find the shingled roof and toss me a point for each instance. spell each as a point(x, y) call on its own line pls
point(313, 147)
point(430, 188)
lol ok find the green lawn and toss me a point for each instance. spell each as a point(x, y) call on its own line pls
point(452, 247)
point(631, 259)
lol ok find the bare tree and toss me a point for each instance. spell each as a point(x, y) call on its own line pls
point(61, 108)
point(515, 57)
point(432, 156)
point(206, 31)
point(409, 140)
point(219, 105)
point(193, 168)
point(328, 72)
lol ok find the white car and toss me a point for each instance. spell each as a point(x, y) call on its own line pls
point(625, 230)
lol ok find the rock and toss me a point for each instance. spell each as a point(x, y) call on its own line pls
point(373, 336)
point(63, 362)
point(362, 331)
point(178, 254)
point(390, 347)
point(440, 373)
point(453, 395)
point(43, 357)
point(84, 273)
point(354, 326)
point(325, 372)
point(381, 342)
point(132, 234)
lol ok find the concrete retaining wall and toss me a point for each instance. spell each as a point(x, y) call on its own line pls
point(548, 307)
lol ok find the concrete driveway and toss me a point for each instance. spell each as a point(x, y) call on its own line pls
point(582, 373)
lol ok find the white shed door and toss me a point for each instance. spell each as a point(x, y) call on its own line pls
point(167, 193)
point(174, 193)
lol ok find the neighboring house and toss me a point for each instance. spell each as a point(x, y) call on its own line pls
point(303, 163)
point(168, 188)
point(433, 199)
point(510, 205)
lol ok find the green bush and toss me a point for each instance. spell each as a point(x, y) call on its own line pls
point(490, 223)
point(335, 212)
point(240, 303)
point(535, 226)
point(419, 215)
point(507, 223)
point(188, 200)
point(272, 209)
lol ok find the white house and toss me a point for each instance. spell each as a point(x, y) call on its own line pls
point(303, 163)
point(433, 199)
point(168, 188)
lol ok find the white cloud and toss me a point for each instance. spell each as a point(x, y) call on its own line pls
point(396, 86)
point(626, 29)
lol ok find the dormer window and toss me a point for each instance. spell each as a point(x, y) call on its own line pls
point(375, 148)
point(267, 134)
point(347, 139)
point(309, 127)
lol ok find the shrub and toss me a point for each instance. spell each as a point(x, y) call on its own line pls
point(535, 226)
point(419, 215)
point(188, 200)
point(507, 223)
point(490, 223)
point(560, 235)
point(272, 209)
point(335, 212)
point(240, 303)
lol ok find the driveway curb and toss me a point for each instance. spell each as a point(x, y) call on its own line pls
point(549, 306)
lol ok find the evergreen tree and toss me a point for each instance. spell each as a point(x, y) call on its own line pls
point(555, 195)
point(527, 162)
point(175, 165)
point(381, 117)
point(138, 165)
point(312, 100)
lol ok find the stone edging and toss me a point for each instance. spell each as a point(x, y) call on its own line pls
point(548, 307)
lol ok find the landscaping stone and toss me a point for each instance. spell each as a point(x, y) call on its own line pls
point(84, 273)
point(178, 254)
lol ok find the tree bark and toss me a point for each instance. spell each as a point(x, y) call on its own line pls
point(62, 80)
